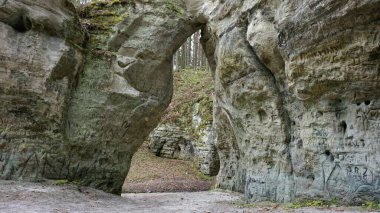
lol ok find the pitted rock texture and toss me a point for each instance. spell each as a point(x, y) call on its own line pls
point(296, 110)
point(57, 124)
point(297, 101)
point(40, 57)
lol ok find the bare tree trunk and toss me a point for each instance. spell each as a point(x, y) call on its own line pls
point(190, 54)
point(183, 56)
point(196, 50)
point(178, 60)
point(189, 51)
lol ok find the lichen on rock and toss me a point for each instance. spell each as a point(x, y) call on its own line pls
point(296, 106)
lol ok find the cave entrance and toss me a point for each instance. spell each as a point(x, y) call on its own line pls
point(179, 155)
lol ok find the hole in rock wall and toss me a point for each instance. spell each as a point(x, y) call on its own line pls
point(299, 144)
point(343, 127)
point(23, 24)
point(262, 115)
point(367, 102)
point(181, 147)
point(329, 155)
point(319, 114)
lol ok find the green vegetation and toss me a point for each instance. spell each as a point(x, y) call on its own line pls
point(244, 205)
point(173, 5)
point(308, 203)
point(204, 177)
point(99, 19)
point(371, 206)
point(61, 182)
point(190, 87)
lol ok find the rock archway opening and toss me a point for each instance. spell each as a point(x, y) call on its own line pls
point(179, 154)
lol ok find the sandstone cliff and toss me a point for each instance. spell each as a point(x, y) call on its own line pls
point(297, 92)
point(297, 97)
point(41, 55)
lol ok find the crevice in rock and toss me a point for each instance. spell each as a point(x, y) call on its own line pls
point(343, 127)
point(261, 67)
point(23, 24)
point(262, 115)
point(286, 157)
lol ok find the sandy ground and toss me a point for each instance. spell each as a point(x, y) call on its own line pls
point(47, 197)
point(149, 173)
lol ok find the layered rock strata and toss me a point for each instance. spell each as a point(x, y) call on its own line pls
point(297, 97)
point(40, 57)
point(58, 124)
point(296, 111)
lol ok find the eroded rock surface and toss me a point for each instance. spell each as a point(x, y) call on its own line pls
point(54, 126)
point(40, 57)
point(297, 98)
point(296, 111)
point(171, 142)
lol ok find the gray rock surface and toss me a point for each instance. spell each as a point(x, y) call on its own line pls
point(58, 127)
point(296, 111)
point(40, 57)
point(297, 101)
point(171, 142)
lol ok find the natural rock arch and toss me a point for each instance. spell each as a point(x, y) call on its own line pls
point(307, 72)
point(113, 106)
point(139, 87)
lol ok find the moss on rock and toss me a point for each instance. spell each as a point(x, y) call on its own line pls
point(99, 19)
point(190, 88)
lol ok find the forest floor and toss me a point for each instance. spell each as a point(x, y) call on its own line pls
point(149, 173)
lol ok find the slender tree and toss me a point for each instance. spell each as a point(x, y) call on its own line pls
point(190, 54)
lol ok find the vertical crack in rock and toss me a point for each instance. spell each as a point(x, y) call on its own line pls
point(296, 111)
point(286, 128)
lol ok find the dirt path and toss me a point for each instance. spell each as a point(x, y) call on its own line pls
point(46, 197)
point(149, 173)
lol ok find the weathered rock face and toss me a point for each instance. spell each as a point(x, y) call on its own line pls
point(297, 93)
point(53, 126)
point(185, 131)
point(171, 142)
point(40, 57)
point(297, 98)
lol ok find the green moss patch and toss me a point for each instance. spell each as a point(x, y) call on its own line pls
point(173, 5)
point(190, 87)
point(99, 19)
